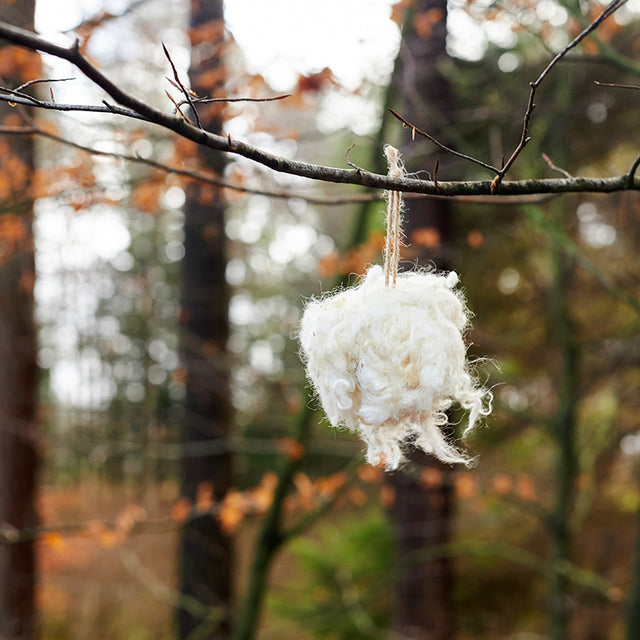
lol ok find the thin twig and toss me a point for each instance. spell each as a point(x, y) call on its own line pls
point(351, 164)
point(548, 160)
point(30, 83)
point(524, 138)
point(178, 109)
point(617, 86)
point(209, 100)
point(415, 130)
point(185, 92)
point(9, 95)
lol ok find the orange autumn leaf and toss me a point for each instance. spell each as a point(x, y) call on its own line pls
point(590, 47)
point(387, 496)
point(5, 187)
point(12, 228)
point(475, 238)
point(262, 496)
point(109, 539)
point(145, 197)
point(583, 481)
point(179, 376)
point(129, 516)
point(12, 119)
point(329, 265)
point(357, 497)
point(181, 510)
point(51, 597)
point(398, 11)
point(501, 484)
point(424, 22)
point(204, 497)
point(53, 540)
point(358, 259)
point(291, 448)
point(465, 486)
point(329, 485)
point(18, 172)
point(210, 32)
point(184, 149)
point(93, 529)
point(431, 478)
point(19, 63)
point(232, 511)
point(305, 488)
point(525, 488)
point(315, 82)
point(428, 237)
point(370, 475)
point(207, 195)
point(211, 80)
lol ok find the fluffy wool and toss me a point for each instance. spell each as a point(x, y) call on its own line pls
point(387, 362)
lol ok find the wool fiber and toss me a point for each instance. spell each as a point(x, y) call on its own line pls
point(387, 363)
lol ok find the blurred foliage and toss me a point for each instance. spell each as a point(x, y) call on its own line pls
point(340, 585)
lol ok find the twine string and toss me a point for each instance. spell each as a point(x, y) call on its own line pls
point(394, 219)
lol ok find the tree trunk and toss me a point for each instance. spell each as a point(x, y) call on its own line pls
point(422, 517)
point(18, 378)
point(205, 548)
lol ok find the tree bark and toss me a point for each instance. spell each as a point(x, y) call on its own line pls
point(206, 552)
point(422, 517)
point(18, 378)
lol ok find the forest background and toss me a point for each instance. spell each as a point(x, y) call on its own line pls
point(186, 484)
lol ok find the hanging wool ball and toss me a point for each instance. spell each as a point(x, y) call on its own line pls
point(388, 361)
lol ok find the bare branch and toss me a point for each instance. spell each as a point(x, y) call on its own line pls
point(617, 86)
point(12, 97)
point(273, 99)
point(187, 93)
point(30, 83)
point(133, 107)
point(415, 130)
point(177, 106)
point(348, 159)
point(548, 160)
point(524, 138)
point(215, 181)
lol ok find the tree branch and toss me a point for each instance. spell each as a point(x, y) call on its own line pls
point(415, 130)
point(524, 138)
point(132, 107)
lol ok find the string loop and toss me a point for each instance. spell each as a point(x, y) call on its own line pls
point(394, 218)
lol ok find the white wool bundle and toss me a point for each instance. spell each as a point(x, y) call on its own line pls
point(387, 362)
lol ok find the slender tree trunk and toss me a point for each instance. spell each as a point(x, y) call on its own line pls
point(18, 379)
point(206, 548)
point(423, 517)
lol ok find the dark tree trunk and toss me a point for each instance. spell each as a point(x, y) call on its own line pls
point(18, 378)
point(422, 516)
point(205, 548)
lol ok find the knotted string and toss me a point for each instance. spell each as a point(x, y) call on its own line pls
point(394, 218)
